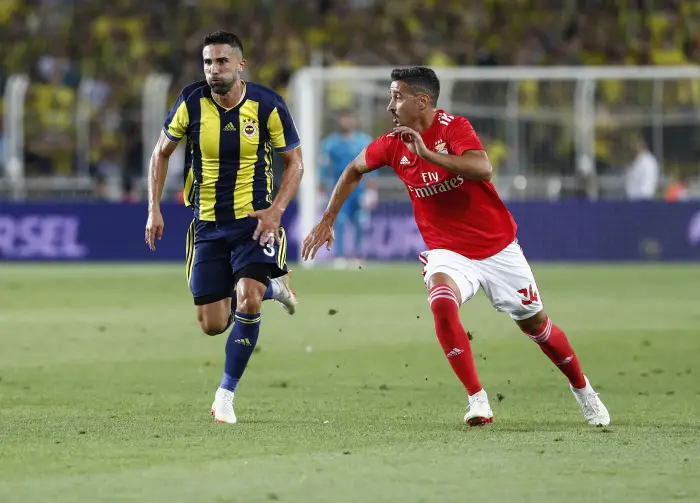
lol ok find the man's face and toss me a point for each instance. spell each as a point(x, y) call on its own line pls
point(404, 104)
point(347, 123)
point(222, 67)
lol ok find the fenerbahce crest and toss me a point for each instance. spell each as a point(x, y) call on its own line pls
point(440, 147)
point(250, 127)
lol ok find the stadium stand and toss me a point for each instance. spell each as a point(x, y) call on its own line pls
point(59, 42)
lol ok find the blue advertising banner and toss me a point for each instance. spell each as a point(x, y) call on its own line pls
point(92, 232)
point(564, 231)
point(548, 231)
point(609, 230)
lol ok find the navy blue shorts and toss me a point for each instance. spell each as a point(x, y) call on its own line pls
point(216, 252)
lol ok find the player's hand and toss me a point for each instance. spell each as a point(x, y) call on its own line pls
point(413, 141)
point(321, 234)
point(269, 222)
point(154, 228)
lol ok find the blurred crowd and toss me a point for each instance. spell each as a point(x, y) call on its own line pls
point(117, 43)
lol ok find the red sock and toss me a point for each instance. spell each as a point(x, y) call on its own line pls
point(553, 342)
point(452, 336)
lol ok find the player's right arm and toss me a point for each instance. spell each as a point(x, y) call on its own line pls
point(157, 171)
point(322, 233)
point(174, 128)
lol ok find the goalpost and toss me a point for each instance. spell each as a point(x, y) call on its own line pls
point(529, 112)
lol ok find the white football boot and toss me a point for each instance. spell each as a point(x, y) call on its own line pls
point(479, 412)
point(283, 294)
point(222, 408)
point(594, 412)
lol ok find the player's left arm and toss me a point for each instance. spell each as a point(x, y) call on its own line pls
point(285, 140)
point(469, 160)
point(293, 171)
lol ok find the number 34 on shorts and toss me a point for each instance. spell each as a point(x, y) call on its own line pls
point(506, 278)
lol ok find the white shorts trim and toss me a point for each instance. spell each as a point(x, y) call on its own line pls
point(506, 278)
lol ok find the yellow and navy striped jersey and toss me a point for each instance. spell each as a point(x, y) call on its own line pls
point(228, 171)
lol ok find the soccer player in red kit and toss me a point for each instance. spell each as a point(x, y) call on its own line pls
point(469, 232)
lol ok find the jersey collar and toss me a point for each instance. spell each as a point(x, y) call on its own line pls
point(433, 124)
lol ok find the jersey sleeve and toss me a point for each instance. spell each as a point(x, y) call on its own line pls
point(377, 153)
point(280, 125)
point(462, 137)
point(175, 125)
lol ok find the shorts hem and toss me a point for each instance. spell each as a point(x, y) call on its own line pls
point(275, 270)
point(519, 317)
point(262, 272)
point(203, 300)
point(458, 277)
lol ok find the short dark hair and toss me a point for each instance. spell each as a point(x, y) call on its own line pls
point(224, 37)
point(419, 78)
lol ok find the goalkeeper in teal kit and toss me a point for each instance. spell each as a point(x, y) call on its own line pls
point(338, 149)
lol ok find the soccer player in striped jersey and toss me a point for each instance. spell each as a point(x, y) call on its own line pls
point(236, 245)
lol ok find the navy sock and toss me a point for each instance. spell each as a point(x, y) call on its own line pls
point(268, 292)
point(234, 301)
point(239, 346)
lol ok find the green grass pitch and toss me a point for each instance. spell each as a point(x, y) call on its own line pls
point(106, 385)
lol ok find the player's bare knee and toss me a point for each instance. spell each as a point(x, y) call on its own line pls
point(533, 324)
point(249, 295)
point(214, 318)
point(212, 330)
point(213, 327)
point(249, 304)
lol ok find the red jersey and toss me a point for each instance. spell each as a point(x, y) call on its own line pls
point(452, 212)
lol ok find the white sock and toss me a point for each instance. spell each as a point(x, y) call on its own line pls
point(276, 288)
